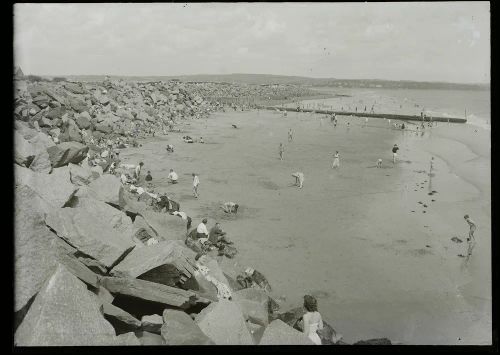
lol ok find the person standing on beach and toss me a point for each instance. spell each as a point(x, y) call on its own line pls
point(290, 135)
point(336, 160)
point(394, 153)
point(281, 150)
point(196, 182)
point(432, 165)
point(471, 241)
point(137, 171)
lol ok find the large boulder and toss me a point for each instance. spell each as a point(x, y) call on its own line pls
point(83, 120)
point(24, 152)
point(152, 323)
point(81, 175)
point(279, 333)
point(107, 188)
point(71, 134)
point(179, 329)
point(223, 322)
point(147, 338)
point(167, 227)
point(34, 245)
point(77, 104)
point(253, 311)
point(75, 88)
point(67, 152)
point(41, 163)
point(376, 341)
point(142, 262)
point(119, 317)
point(56, 112)
point(64, 313)
point(55, 188)
point(103, 128)
point(127, 339)
point(90, 235)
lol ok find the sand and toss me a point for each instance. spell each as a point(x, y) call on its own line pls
point(349, 237)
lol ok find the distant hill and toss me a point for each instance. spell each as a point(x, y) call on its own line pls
point(268, 79)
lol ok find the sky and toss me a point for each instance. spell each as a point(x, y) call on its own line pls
point(447, 41)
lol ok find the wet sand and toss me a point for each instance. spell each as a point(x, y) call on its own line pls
point(349, 236)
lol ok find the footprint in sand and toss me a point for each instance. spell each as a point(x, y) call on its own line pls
point(425, 205)
point(424, 212)
point(433, 200)
point(413, 211)
point(420, 202)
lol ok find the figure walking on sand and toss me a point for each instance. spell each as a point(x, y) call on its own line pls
point(395, 149)
point(299, 179)
point(281, 150)
point(196, 182)
point(336, 160)
point(290, 135)
point(471, 241)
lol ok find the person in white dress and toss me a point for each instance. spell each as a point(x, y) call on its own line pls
point(312, 319)
point(336, 160)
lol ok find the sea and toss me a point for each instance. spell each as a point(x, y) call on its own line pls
point(475, 105)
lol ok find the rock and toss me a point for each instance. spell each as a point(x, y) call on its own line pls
point(126, 114)
point(223, 322)
point(118, 316)
point(64, 313)
point(253, 311)
point(167, 227)
point(279, 333)
point(67, 152)
point(147, 338)
point(75, 88)
point(83, 120)
point(24, 152)
point(45, 122)
point(103, 128)
point(150, 291)
point(128, 339)
point(55, 188)
point(180, 329)
point(142, 261)
point(57, 112)
point(71, 134)
point(89, 235)
point(34, 245)
point(104, 295)
point(79, 269)
point(259, 296)
point(106, 188)
point(152, 323)
point(41, 163)
point(81, 175)
point(378, 341)
point(77, 104)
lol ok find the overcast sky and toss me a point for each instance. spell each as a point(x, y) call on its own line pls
point(395, 41)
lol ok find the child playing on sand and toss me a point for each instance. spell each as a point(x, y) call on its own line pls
point(336, 160)
point(230, 207)
point(172, 177)
point(394, 153)
point(290, 136)
point(281, 150)
point(196, 182)
point(379, 163)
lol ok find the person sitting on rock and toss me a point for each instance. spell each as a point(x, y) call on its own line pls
point(253, 278)
point(217, 235)
point(149, 177)
point(230, 207)
point(202, 229)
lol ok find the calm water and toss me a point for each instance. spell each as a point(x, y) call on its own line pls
point(452, 103)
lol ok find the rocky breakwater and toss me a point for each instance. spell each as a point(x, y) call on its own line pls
point(85, 270)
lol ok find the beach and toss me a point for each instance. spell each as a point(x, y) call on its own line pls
point(357, 237)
